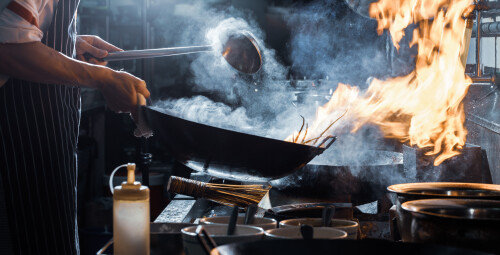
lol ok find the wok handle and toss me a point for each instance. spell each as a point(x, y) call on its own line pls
point(331, 138)
point(152, 53)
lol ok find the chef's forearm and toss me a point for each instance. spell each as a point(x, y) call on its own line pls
point(39, 63)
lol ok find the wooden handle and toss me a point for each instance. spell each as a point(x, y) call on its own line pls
point(186, 187)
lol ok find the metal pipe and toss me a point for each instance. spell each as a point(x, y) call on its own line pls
point(488, 28)
point(484, 79)
point(478, 44)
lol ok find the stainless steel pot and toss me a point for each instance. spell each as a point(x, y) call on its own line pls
point(292, 247)
point(468, 223)
point(402, 193)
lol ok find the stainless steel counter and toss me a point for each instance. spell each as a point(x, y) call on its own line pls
point(483, 123)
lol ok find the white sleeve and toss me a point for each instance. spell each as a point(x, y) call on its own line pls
point(15, 29)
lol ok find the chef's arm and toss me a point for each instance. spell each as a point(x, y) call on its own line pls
point(36, 62)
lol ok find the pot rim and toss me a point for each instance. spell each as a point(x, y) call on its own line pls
point(338, 233)
point(350, 222)
point(256, 231)
point(266, 220)
point(419, 207)
point(406, 188)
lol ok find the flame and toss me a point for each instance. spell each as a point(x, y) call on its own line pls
point(424, 107)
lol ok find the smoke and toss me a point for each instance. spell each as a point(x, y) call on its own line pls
point(203, 110)
point(327, 40)
point(330, 40)
point(259, 104)
point(203, 23)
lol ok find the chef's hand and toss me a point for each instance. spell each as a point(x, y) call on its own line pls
point(94, 46)
point(120, 91)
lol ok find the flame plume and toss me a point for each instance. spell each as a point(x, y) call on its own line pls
point(424, 107)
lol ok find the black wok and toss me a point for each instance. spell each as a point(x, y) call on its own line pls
point(363, 178)
point(317, 246)
point(228, 154)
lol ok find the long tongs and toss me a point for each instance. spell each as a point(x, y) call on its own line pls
point(240, 50)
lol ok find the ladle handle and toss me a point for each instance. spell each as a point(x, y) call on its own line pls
point(231, 227)
point(306, 231)
point(205, 239)
point(327, 214)
point(153, 53)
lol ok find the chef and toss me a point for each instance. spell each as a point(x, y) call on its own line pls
point(40, 83)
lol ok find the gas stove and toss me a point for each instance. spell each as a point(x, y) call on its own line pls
point(374, 223)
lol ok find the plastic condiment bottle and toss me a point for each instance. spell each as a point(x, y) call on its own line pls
point(130, 216)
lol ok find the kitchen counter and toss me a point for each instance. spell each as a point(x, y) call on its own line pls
point(482, 113)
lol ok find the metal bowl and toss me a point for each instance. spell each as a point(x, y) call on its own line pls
point(469, 223)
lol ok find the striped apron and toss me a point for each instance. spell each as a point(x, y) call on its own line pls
point(38, 145)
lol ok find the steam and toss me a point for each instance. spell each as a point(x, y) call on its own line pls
point(330, 40)
point(203, 110)
point(259, 104)
point(327, 40)
point(257, 93)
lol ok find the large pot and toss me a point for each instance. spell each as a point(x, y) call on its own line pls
point(229, 154)
point(292, 247)
point(469, 223)
point(402, 193)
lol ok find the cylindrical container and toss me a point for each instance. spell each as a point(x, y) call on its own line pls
point(242, 233)
point(264, 223)
point(349, 226)
point(131, 216)
point(294, 233)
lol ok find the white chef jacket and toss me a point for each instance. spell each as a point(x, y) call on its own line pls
point(15, 29)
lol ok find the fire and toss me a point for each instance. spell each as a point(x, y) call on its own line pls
point(424, 107)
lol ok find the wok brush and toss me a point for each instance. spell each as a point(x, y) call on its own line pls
point(232, 195)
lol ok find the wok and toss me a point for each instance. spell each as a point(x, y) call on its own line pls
point(317, 246)
point(228, 154)
point(363, 178)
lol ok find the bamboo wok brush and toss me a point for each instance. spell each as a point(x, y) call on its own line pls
point(232, 195)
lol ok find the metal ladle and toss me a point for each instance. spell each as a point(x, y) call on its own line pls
point(240, 50)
